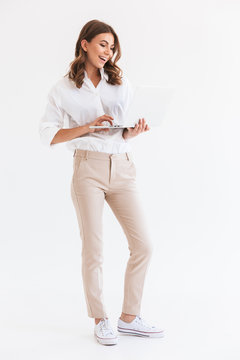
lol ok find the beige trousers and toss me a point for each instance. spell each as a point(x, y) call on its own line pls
point(99, 176)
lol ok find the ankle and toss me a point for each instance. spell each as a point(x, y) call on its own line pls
point(127, 317)
point(98, 319)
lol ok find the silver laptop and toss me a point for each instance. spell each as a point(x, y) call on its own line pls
point(150, 103)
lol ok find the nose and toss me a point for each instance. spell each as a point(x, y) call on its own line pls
point(107, 51)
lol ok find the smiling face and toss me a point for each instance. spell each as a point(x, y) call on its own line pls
point(101, 46)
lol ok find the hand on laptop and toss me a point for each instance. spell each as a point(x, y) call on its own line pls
point(142, 126)
point(101, 120)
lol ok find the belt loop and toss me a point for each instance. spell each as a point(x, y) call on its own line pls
point(74, 153)
point(128, 157)
point(86, 154)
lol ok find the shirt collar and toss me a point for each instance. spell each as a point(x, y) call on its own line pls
point(103, 74)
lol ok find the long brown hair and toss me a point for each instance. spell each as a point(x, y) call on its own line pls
point(77, 66)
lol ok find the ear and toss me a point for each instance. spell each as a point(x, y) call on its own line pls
point(83, 44)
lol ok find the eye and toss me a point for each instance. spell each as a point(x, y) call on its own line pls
point(104, 46)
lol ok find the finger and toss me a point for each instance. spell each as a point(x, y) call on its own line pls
point(140, 126)
point(110, 121)
point(108, 116)
point(145, 126)
point(136, 128)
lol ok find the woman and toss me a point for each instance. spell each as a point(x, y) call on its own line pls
point(94, 93)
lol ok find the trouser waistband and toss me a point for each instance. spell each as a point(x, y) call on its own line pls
point(100, 155)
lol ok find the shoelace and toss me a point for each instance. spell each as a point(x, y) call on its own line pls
point(143, 322)
point(105, 327)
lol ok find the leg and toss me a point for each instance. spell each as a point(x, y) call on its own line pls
point(88, 201)
point(126, 206)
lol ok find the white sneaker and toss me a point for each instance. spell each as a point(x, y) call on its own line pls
point(139, 327)
point(104, 333)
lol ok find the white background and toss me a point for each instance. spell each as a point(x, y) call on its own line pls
point(187, 171)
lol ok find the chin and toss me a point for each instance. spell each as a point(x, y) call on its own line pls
point(99, 66)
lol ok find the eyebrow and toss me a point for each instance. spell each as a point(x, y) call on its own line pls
point(107, 42)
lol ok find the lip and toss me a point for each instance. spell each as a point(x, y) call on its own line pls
point(103, 61)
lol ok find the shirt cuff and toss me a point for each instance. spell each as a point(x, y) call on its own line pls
point(47, 135)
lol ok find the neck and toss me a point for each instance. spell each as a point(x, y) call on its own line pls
point(92, 71)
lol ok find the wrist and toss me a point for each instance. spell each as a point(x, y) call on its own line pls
point(125, 134)
point(85, 129)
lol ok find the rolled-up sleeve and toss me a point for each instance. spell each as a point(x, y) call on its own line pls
point(52, 120)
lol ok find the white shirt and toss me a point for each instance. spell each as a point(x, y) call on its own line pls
point(67, 105)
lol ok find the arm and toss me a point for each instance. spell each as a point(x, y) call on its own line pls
point(51, 124)
point(68, 134)
point(72, 133)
